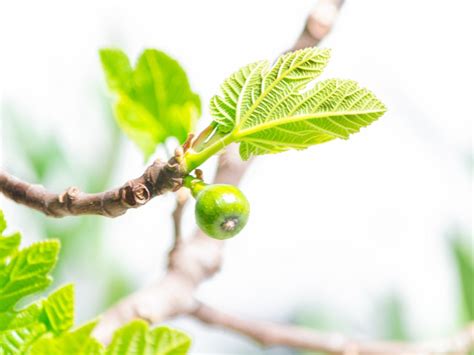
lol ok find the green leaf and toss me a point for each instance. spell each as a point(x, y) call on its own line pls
point(136, 339)
point(154, 100)
point(167, 341)
point(130, 339)
point(59, 309)
point(77, 342)
point(8, 246)
point(17, 340)
point(18, 319)
point(270, 109)
point(27, 272)
point(19, 329)
point(118, 71)
point(3, 223)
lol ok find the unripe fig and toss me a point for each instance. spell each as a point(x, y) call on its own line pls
point(221, 210)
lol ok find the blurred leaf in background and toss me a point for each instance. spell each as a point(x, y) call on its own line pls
point(390, 319)
point(461, 248)
point(154, 101)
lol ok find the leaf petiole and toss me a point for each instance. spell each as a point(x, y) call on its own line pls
point(193, 159)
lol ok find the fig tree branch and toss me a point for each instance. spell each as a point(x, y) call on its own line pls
point(272, 334)
point(158, 178)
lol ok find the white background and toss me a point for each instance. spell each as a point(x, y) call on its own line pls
point(335, 226)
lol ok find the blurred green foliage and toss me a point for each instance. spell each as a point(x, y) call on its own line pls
point(462, 250)
point(390, 318)
point(44, 159)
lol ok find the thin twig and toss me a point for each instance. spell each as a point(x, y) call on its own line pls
point(273, 334)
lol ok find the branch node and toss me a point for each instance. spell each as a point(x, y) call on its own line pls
point(135, 194)
point(69, 195)
point(141, 194)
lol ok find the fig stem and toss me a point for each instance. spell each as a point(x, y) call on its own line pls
point(194, 184)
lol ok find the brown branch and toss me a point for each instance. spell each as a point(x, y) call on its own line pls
point(318, 24)
point(158, 178)
point(273, 334)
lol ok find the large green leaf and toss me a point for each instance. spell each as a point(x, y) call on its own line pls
point(154, 99)
point(270, 109)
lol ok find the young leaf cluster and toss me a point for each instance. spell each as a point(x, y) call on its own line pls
point(272, 108)
point(266, 108)
point(46, 326)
